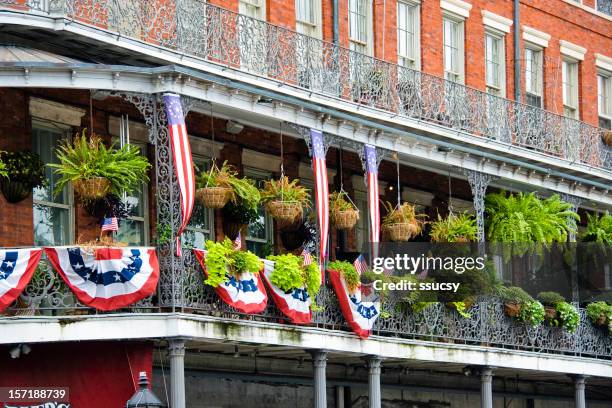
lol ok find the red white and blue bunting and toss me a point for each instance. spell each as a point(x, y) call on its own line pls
point(295, 304)
point(17, 267)
point(107, 278)
point(245, 293)
point(360, 315)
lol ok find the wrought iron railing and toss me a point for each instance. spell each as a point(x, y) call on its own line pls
point(239, 42)
point(488, 325)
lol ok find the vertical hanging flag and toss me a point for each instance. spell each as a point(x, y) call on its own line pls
point(371, 164)
point(183, 162)
point(321, 189)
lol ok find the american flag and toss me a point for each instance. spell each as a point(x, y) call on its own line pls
point(321, 189)
point(110, 224)
point(307, 257)
point(238, 241)
point(360, 264)
point(183, 162)
point(373, 207)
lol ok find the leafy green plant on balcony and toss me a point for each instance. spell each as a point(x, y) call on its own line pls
point(20, 172)
point(95, 170)
point(454, 228)
point(568, 317)
point(348, 272)
point(522, 219)
point(290, 273)
point(599, 229)
point(222, 258)
point(521, 306)
point(239, 190)
point(285, 200)
point(600, 313)
point(532, 313)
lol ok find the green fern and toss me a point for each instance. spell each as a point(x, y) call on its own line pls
point(599, 229)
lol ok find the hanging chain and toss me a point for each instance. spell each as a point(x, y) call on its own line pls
point(282, 164)
point(397, 168)
point(450, 193)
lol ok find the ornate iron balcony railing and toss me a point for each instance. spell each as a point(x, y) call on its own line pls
point(488, 325)
point(239, 42)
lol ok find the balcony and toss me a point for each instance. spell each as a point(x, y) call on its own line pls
point(237, 42)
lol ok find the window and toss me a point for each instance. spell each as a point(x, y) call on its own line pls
point(200, 227)
point(570, 88)
point(362, 229)
point(495, 64)
point(453, 49)
point(52, 214)
point(259, 233)
point(308, 17)
point(253, 8)
point(408, 44)
point(604, 99)
point(360, 26)
point(533, 76)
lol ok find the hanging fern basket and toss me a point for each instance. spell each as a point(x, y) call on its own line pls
point(213, 197)
point(93, 188)
point(401, 232)
point(285, 211)
point(345, 220)
point(15, 191)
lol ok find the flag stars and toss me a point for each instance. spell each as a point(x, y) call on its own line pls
point(117, 277)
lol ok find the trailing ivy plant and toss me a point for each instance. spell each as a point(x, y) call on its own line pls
point(569, 318)
point(598, 229)
point(348, 272)
point(454, 228)
point(84, 159)
point(532, 313)
point(599, 312)
point(222, 258)
point(290, 273)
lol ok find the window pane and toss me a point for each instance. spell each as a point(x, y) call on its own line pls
point(131, 232)
point(44, 143)
point(50, 225)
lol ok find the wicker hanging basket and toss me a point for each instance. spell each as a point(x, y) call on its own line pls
point(213, 197)
point(607, 137)
point(93, 188)
point(345, 220)
point(512, 309)
point(401, 232)
point(285, 211)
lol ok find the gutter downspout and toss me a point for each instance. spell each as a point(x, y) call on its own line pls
point(517, 51)
point(336, 22)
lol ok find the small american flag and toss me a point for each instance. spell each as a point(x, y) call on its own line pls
point(307, 257)
point(110, 224)
point(360, 264)
point(238, 242)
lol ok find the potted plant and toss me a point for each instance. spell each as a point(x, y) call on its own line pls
point(222, 258)
point(606, 136)
point(532, 313)
point(600, 313)
point(348, 272)
point(454, 228)
point(402, 222)
point(513, 298)
point(20, 172)
point(550, 300)
point(567, 317)
point(342, 211)
point(285, 200)
point(295, 237)
point(290, 273)
point(95, 170)
point(110, 205)
point(599, 229)
point(214, 187)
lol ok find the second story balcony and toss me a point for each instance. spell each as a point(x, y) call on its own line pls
point(232, 42)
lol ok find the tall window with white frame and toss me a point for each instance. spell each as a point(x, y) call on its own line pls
point(52, 213)
point(569, 73)
point(360, 26)
point(534, 74)
point(453, 30)
point(604, 99)
point(408, 33)
point(259, 233)
point(134, 230)
point(308, 17)
point(495, 64)
point(200, 227)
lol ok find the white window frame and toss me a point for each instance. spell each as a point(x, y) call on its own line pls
point(258, 174)
point(246, 7)
point(69, 205)
point(363, 46)
point(538, 52)
point(310, 28)
point(571, 108)
point(604, 89)
point(496, 89)
point(413, 9)
point(459, 75)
